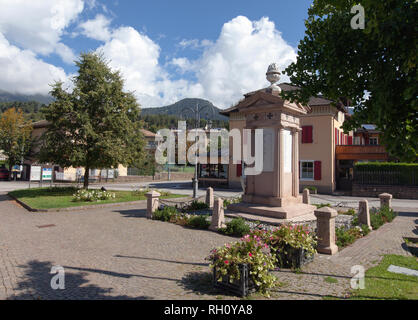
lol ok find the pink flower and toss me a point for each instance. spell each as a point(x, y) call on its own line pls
point(226, 261)
point(250, 254)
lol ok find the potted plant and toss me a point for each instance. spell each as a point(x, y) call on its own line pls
point(243, 267)
point(294, 245)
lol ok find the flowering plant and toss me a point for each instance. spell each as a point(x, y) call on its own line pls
point(83, 195)
point(295, 236)
point(250, 250)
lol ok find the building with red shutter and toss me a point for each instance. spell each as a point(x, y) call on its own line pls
point(321, 133)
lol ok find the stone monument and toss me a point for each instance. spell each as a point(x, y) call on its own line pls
point(275, 191)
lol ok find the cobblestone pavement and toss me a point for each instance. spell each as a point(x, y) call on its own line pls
point(115, 253)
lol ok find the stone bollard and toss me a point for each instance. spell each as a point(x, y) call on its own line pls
point(306, 198)
point(326, 230)
point(364, 213)
point(152, 202)
point(385, 200)
point(209, 197)
point(218, 218)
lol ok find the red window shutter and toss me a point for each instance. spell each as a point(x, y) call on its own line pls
point(307, 134)
point(350, 140)
point(239, 170)
point(336, 136)
point(310, 134)
point(317, 170)
point(303, 134)
point(341, 138)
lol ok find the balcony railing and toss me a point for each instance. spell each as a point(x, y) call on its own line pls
point(361, 152)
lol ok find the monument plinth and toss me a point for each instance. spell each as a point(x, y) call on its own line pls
point(275, 191)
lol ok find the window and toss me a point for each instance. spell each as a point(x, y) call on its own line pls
point(215, 171)
point(306, 170)
point(373, 141)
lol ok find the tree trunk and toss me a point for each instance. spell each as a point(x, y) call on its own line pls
point(86, 178)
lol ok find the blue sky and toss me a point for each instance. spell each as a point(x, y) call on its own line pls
point(166, 50)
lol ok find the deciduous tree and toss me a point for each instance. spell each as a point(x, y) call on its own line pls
point(375, 68)
point(15, 136)
point(95, 125)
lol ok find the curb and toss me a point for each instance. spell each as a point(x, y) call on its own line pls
point(89, 207)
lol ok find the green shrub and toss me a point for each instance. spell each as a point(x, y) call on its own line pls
point(199, 222)
point(388, 214)
point(321, 205)
point(236, 227)
point(196, 205)
point(350, 212)
point(311, 188)
point(345, 237)
point(231, 201)
point(165, 214)
point(365, 229)
point(376, 220)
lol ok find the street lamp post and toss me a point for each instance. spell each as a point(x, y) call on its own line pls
point(196, 112)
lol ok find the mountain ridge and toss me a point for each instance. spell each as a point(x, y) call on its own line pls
point(179, 109)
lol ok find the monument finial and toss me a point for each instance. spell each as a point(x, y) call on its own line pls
point(273, 75)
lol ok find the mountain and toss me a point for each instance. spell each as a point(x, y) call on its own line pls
point(11, 97)
point(178, 109)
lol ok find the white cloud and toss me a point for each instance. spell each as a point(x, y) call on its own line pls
point(67, 55)
point(234, 64)
point(39, 25)
point(23, 73)
point(97, 28)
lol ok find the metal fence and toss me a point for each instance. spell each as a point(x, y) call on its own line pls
point(386, 177)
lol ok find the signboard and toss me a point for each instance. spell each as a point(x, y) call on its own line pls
point(16, 168)
point(59, 176)
point(107, 173)
point(46, 174)
point(35, 173)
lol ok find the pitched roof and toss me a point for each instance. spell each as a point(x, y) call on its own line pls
point(313, 101)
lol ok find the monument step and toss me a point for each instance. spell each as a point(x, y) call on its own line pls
point(270, 220)
point(285, 212)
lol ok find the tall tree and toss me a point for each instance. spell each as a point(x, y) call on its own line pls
point(95, 125)
point(375, 68)
point(15, 136)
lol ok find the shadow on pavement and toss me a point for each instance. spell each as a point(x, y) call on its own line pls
point(37, 285)
point(163, 260)
point(118, 274)
point(133, 213)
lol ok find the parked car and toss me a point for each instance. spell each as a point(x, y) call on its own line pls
point(4, 174)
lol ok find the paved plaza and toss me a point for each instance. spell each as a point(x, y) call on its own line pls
point(116, 253)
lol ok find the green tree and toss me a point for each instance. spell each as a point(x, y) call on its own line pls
point(95, 125)
point(377, 62)
point(15, 136)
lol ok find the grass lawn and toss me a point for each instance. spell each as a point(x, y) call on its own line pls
point(57, 198)
point(382, 284)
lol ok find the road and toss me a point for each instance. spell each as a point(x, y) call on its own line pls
point(185, 187)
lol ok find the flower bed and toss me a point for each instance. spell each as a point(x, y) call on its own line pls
point(173, 215)
point(294, 245)
point(233, 262)
point(83, 195)
point(378, 217)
